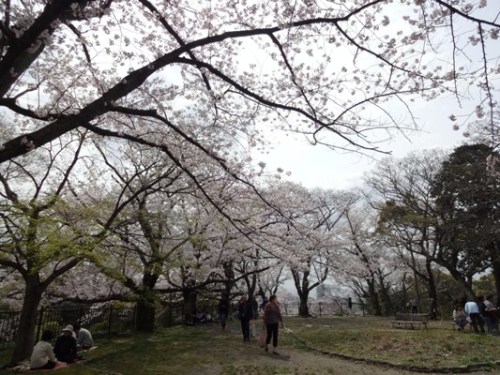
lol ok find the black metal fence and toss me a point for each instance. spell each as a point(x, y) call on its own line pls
point(102, 321)
point(108, 320)
point(325, 308)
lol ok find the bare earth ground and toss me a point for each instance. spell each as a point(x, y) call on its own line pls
point(250, 359)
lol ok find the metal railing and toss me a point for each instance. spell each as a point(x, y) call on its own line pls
point(102, 321)
point(108, 320)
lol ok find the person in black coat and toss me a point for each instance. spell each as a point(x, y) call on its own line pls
point(223, 312)
point(245, 314)
point(65, 346)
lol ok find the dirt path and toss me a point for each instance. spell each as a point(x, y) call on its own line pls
point(253, 361)
point(248, 359)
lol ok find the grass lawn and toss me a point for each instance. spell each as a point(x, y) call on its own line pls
point(374, 338)
point(205, 350)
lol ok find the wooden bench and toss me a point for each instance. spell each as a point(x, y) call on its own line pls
point(410, 321)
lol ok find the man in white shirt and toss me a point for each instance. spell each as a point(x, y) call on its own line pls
point(84, 339)
point(471, 308)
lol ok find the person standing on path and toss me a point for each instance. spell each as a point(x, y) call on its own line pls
point(245, 314)
point(223, 312)
point(471, 308)
point(272, 318)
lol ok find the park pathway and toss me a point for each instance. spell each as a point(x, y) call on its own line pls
point(248, 359)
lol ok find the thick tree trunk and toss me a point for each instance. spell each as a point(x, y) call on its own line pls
point(459, 278)
point(302, 286)
point(385, 298)
point(303, 306)
point(25, 338)
point(145, 314)
point(431, 286)
point(374, 301)
point(190, 297)
point(495, 265)
point(431, 283)
point(146, 306)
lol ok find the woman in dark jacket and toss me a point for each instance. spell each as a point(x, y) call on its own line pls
point(272, 318)
point(65, 347)
point(245, 314)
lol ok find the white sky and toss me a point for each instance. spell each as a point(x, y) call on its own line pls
point(317, 166)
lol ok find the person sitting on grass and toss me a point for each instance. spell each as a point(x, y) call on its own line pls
point(460, 318)
point(43, 356)
point(65, 347)
point(84, 339)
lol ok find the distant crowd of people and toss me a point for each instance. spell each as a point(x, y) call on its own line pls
point(478, 314)
point(68, 347)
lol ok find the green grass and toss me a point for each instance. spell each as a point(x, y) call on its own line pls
point(206, 350)
point(373, 338)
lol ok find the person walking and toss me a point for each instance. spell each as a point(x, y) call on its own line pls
point(245, 314)
point(272, 318)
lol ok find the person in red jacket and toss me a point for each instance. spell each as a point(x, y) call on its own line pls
point(272, 319)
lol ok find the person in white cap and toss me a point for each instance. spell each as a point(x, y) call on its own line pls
point(65, 347)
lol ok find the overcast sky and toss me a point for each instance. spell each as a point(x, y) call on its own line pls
point(316, 166)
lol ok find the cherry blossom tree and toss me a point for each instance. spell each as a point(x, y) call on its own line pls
point(407, 221)
point(43, 236)
point(366, 262)
point(304, 227)
point(334, 72)
point(147, 238)
point(55, 215)
point(220, 75)
point(414, 224)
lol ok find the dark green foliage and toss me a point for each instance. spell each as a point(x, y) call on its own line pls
point(467, 192)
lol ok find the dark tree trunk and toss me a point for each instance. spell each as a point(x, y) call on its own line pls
point(146, 305)
point(145, 314)
point(466, 287)
point(190, 297)
point(302, 286)
point(303, 306)
point(431, 283)
point(385, 298)
point(373, 296)
point(25, 338)
point(494, 250)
